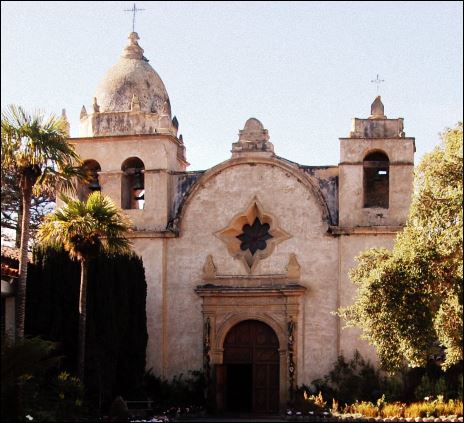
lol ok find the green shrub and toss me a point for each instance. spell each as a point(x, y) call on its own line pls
point(70, 392)
point(430, 388)
point(358, 380)
point(55, 398)
point(26, 366)
point(179, 392)
point(118, 410)
point(350, 381)
point(433, 381)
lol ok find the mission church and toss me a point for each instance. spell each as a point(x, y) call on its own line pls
point(247, 261)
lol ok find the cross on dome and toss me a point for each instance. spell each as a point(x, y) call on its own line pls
point(133, 10)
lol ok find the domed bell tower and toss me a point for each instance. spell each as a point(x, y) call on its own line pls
point(130, 142)
point(376, 172)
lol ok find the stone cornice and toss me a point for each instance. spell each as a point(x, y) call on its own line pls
point(360, 163)
point(364, 230)
point(151, 234)
point(145, 171)
point(233, 291)
point(378, 139)
point(112, 138)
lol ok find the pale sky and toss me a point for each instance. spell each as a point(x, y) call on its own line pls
point(302, 68)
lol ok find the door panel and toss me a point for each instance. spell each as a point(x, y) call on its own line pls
point(254, 343)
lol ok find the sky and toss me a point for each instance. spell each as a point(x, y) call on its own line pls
point(304, 69)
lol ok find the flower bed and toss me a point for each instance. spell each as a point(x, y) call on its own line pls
point(314, 408)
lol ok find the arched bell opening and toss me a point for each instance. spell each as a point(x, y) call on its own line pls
point(92, 168)
point(376, 175)
point(133, 184)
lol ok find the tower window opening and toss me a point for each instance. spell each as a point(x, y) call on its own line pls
point(376, 169)
point(133, 184)
point(92, 168)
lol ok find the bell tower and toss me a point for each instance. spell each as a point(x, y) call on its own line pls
point(129, 140)
point(375, 172)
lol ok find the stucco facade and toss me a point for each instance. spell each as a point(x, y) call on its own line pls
point(256, 237)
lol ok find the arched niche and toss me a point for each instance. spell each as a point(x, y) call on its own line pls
point(376, 180)
point(133, 184)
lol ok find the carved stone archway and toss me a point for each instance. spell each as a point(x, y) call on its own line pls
point(276, 305)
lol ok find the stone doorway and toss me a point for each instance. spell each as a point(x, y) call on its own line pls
point(251, 368)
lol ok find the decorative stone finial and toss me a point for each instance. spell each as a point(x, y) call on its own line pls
point(96, 107)
point(377, 109)
point(377, 125)
point(65, 119)
point(175, 122)
point(253, 138)
point(293, 267)
point(253, 132)
point(83, 112)
point(135, 104)
point(209, 269)
point(133, 50)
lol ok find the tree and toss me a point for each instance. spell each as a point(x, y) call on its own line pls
point(116, 327)
point(36, 150)
point(85, 229)
point(11, 208)
point(410, 299)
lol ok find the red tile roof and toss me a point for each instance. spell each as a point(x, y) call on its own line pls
point(12, 253)
point(9, 271)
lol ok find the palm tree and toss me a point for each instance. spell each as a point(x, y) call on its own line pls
point(85, 229)
point(36, 149)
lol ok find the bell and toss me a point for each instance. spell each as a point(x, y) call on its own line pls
point(94, 185)
point(138, 181)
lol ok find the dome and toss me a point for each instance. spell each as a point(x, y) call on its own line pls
point(130, 80)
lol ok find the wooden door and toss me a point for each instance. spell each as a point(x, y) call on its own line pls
point(254, 344)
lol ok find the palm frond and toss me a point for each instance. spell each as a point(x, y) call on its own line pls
point(30, 140)
point(65, 180)
point(81, 225)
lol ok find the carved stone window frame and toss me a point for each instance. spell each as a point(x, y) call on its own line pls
point(229, 234)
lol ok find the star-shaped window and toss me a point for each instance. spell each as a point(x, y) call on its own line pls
point(254, 236)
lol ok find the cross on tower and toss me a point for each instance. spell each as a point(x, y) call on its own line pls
point(134, 9)
point(378, 82)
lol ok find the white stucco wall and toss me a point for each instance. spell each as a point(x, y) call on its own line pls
point(299, 214)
